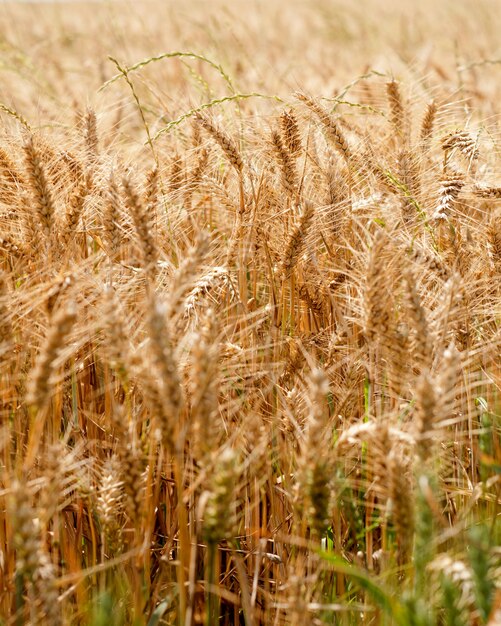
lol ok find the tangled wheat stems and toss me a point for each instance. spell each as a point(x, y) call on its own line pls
point(250, 368)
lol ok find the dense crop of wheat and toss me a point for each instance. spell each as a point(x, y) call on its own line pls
point(250, 313)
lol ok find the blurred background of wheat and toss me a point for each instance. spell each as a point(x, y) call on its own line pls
point(250, 313)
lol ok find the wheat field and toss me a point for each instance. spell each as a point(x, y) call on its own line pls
point(250, 313)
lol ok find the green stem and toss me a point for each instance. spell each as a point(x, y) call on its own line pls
point(211, 603)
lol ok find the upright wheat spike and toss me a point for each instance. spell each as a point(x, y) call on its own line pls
point(381, 445)
point(117, 340)
point(290, 132)
point(402, 511)
point(42, 195)
point(176, 178)
point(195, 175)
point(286, 162)
point(409, 176)
point(32, 564)
point(204, 392)
point(220, 512)
point(9, 170)
point(111, 219)
point(494, 234)
point(225, 143)
point(428, 123)
point(5, 322)
point(132, 463)
point(431, 261)
point(376, 301)
point(184, 276)
point(200, 167)
point(448, 380)
point(12, 247)
point(90, 130)
point(74, 165)
point(316, 463)
point(421, 343)
point(143, 226)
point(109, 505)
point(396, 107)
point(161, 351)
point(296, 241)
point(396, 347)
point(75, 209)
point(56, 293)
point(26, 539)
point(426, 402)
point(331, 127)
point(62, 473)
point(151, 196)
point(39, 384)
